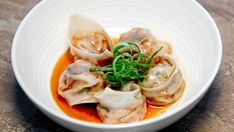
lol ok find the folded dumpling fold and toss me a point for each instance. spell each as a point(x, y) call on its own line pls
point(124, 106)
point(77, 85)
point(164, 82)
point(146, 40)
point(88, 40)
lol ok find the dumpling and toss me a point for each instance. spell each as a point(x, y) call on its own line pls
point(88, 40)
point(146, 40)
point(77, 85)
point(164, 83)
point(117, 107)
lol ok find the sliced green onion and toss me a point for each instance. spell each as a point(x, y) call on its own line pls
point(126, 66)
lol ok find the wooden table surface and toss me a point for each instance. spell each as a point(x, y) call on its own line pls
point(215, 112)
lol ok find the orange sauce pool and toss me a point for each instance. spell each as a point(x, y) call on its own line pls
point(86, 112)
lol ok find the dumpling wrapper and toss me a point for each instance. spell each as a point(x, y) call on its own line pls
point(77, 85)
point(164, 83)
point(117, 107)
point(146, 40)
point(88, 40)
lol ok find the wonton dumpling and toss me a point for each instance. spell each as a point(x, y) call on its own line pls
point(164, 83)
point(146, 40)
point(77, 85)
point(88, 40)
point(124, 106)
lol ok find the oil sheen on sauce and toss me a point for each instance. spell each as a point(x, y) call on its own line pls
point(85, 112)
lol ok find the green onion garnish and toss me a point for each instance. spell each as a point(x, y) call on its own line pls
point(128, 64)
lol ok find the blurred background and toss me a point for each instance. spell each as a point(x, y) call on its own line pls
point(214, 113)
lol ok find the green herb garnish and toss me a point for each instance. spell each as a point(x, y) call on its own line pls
point(130, 64)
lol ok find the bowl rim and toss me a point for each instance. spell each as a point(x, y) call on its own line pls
point(45, 109)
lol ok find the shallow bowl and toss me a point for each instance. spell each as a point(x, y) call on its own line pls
point(41, 39)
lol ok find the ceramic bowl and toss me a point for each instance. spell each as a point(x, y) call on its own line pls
point(41, 39)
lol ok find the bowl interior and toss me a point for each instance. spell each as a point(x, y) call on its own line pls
point(41, 40)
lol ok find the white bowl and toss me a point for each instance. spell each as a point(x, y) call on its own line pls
point(41, 39)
